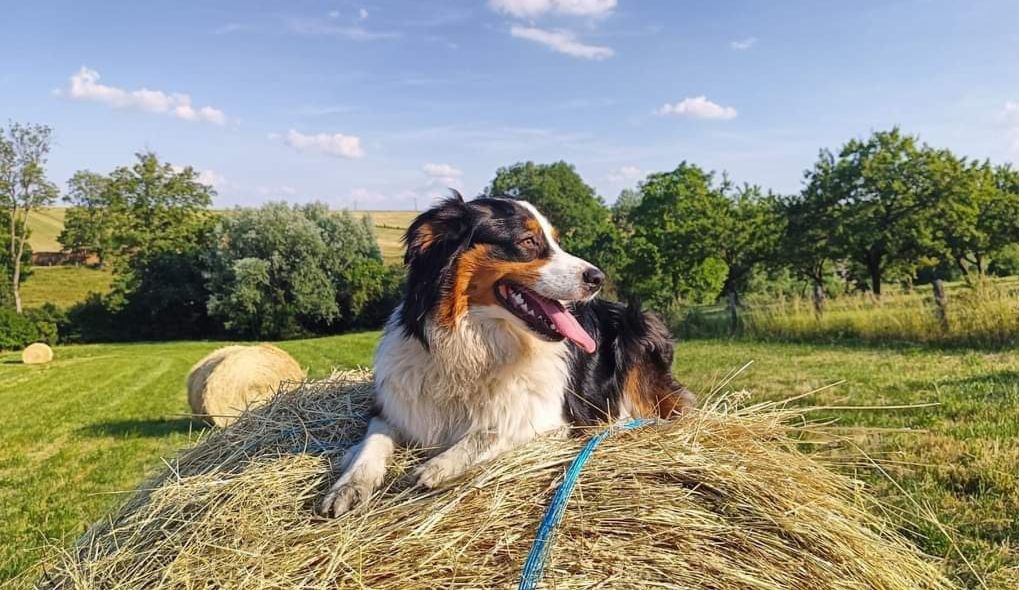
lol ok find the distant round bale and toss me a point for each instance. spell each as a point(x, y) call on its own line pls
point(231, 379)
point(37, 354)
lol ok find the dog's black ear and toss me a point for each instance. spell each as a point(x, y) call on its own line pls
point(443, 226)
point(434, 240)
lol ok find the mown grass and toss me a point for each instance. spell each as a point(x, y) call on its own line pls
point(89, 426)
point(46, 225)
point(64, 286)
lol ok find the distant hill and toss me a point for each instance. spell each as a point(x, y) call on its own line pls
point(47, 224)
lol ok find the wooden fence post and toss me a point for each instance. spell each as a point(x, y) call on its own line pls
point(941, 303)
point(818, 300)
point(733, 312)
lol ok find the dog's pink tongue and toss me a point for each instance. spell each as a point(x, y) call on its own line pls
point(567, 325)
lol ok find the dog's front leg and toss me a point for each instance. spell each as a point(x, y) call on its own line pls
point(364, 468)
point(473, 448)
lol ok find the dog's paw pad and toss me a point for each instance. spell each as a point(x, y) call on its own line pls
point(343, 499)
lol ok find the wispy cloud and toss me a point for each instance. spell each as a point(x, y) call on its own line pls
point(698, 107)
point(230, 28)
point(330, 144)
point(206, 177)
point(743, 44)
point(533, 8)
point(562, 41)
point(84, 85)
point(316, 27)
point(443, 175)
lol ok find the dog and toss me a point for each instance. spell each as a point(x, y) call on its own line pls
point(500, 339)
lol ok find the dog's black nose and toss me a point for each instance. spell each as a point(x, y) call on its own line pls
point(594, 277)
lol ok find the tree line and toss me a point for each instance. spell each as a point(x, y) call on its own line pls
point(887, 207)
point(884, 208)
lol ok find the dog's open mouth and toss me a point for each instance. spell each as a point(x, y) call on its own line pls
point(545, 317)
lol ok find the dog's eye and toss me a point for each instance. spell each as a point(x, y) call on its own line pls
point(528, 243)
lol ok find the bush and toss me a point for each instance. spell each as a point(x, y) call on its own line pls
point(92, 320)
point(16, 330)
point(1006, 262)
point(282, 271)
point(49, 321)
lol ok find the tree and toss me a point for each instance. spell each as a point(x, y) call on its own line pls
point(281, 271)
point(91, 221)
point(750, 233)
point(880, 201)
point(156, 207)
point(571, 205)
point(677, 228)
point(24, 188)
point(807, 245)
point(973, 216)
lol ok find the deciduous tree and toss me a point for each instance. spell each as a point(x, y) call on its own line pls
point(24, 188)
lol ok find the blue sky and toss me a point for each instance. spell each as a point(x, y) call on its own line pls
point(383, 104)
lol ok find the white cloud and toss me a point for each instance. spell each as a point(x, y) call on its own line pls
point(625, 174)
point(441, 170)
point(363, 13)
point(533, 8)
point(332, 144)
point(334, 14)
point(562, 41)
point(743, 44)
point(443, 175)
point(698, 107)
point(320, 27)
point(84, 85)
point(206, 177)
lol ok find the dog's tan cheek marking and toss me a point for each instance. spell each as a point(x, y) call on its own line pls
point(454, 302)
point(474, 284)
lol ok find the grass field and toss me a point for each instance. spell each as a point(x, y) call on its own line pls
point(45, 225)
point(89, 426)
point(63, 286)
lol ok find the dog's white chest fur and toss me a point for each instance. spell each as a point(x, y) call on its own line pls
point(484, 376)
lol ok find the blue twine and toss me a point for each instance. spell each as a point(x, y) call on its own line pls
point(535, 563)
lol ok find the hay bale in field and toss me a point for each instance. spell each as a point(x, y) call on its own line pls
point(231, 379)
point(720, 499)
point(37, 354)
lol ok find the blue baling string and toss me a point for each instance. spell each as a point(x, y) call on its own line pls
point(535, 563)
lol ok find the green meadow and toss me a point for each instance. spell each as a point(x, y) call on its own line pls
point(87, 428)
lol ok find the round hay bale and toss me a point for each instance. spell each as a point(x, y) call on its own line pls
point(720, 499)
point(231, 379)
point(37, 354)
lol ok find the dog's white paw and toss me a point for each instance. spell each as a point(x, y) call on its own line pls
point(347, 494)
point(435, 472)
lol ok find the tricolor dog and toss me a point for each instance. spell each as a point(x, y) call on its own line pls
point(500, 339)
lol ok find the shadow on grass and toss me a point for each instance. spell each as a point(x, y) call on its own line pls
point(1000, 382)
point(143, 428)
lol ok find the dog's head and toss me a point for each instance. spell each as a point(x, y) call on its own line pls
point(496, 255)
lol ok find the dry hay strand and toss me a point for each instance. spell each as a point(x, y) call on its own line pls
point(37, 354)
point(231, 379)
point(721, 499)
